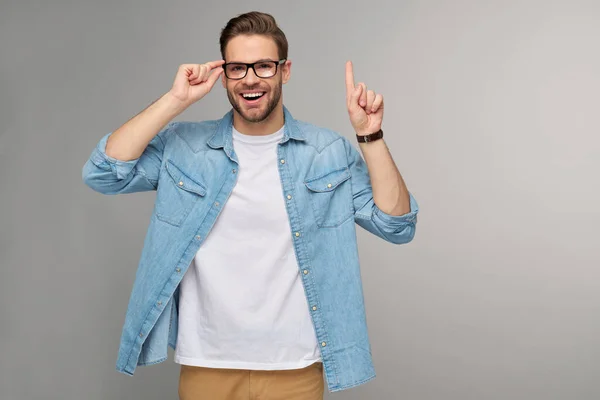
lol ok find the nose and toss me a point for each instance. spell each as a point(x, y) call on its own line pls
point(251, 77)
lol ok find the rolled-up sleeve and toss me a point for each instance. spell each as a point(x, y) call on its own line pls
point(397, 229)
point(109, 175)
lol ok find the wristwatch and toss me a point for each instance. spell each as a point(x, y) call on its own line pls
point(371, 137)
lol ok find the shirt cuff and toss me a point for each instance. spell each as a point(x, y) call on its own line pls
point(398, 221)
point(118, 167)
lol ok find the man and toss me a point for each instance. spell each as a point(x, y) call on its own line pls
point(250, 268)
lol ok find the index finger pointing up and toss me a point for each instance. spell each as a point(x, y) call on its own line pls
point(349, 78)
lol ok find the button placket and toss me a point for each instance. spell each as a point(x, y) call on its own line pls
point(297, 234)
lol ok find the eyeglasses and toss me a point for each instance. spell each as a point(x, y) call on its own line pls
point(262, 69)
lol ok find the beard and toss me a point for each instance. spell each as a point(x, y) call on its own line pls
point(274, 96)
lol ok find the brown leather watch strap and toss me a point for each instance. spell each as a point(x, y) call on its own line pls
point(371, 137)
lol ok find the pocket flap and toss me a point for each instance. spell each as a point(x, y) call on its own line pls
point(328, 181)
point(183, 181)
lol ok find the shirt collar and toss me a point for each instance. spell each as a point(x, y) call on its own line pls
point(222, 138)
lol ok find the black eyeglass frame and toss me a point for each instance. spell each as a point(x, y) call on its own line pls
point(251, 65)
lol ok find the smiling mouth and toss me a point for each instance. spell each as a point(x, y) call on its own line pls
point(252, 98)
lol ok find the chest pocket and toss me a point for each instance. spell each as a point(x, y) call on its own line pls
point(176, 195)
point(331, 197)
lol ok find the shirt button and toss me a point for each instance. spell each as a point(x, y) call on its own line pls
point(323, 344)
point(329, 185)
point(159, 303)
point(305, 271)
point(178, 269)
point(314, 308)
point(282, 161)
point(180, 183)
point(289, 196)
point(234, 171)
point(216, 204)
point(297, 234)
point(198, 237)
point(141, 335)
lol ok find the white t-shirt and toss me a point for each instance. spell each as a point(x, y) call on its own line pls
point(242, 302)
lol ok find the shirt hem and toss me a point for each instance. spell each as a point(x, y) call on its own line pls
point(196, 362)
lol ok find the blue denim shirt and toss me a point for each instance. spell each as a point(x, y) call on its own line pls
point(193, 168)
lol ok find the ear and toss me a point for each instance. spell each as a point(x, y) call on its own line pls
point(223, 80)
point(286, 71)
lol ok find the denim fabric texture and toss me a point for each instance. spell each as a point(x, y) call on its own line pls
point(192, 167)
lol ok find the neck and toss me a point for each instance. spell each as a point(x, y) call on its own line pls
point(271, 124)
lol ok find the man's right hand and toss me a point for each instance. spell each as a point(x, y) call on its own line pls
point(194, 81)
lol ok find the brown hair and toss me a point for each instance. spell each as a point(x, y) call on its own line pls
point(254, 23)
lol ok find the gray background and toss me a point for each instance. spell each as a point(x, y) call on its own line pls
point(491, 115)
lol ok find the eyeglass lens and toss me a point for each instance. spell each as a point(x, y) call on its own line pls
point(263, 69)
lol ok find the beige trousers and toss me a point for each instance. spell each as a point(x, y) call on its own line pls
point(201, 383)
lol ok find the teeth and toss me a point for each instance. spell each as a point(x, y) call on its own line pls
point(252, 95)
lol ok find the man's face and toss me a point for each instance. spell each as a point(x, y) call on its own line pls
point(250, 49)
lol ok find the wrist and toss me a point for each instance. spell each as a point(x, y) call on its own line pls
point(173, 104)
point(368, 137)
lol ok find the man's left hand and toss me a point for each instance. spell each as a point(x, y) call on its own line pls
point(365, 108)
